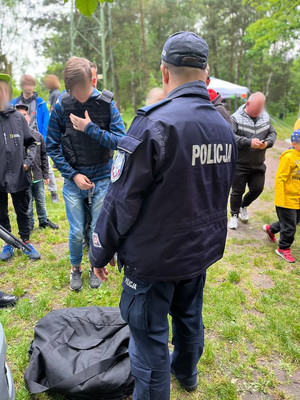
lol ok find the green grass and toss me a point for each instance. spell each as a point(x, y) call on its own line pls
point(251, 310)
point(284, 127)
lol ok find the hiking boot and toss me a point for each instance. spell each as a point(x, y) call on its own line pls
point(7, 252)
point(285, 254)
point(94, 281)
point(54, 197)
point(244, 217)
point(271, 235)
point(49, 223)
point(233, 222)
point(7, 299)
point(76, 278)
point(33, 254)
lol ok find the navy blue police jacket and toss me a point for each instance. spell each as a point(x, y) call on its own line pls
point(165, 211)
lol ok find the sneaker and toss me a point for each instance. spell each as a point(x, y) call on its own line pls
point(271, 235)
point(244, 217)
point(75, 278)
point(54, 197)
point(33, 254)
point(50, 224)
point(7, 252)
point(94, 281)
point(285, 254)
point(233, 222)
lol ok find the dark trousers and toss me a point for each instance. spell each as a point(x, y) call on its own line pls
point(254, 178)
point(146, 306)
point(287, 224)
point(21, 203)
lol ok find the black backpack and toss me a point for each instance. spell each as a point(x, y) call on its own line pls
point(82, 353)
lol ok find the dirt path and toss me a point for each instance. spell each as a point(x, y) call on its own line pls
point(253, 229)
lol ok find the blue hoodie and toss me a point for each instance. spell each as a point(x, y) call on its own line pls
point(42, 114)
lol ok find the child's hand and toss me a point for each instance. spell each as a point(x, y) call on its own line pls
point(80, 123)
point(46, 181)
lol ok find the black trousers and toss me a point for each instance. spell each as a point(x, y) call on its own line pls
point(21, 203)
point(287, 224)
point(254, 178)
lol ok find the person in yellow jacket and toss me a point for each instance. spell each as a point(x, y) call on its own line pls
point(287, 199)
point(297, 125)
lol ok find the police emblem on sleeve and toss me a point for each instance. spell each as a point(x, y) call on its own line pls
point(96, 240)
point(118, 166)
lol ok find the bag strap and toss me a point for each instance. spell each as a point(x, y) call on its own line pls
point(77, 379)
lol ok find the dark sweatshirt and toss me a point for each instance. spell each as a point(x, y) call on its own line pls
point(14, 137)
point(40, 166)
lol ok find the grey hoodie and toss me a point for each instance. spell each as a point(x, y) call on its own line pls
point(245, 129)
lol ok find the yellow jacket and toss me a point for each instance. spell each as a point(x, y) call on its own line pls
point(287, 180)
point(297, 125)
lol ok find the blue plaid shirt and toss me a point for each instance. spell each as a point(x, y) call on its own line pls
point(108, 139)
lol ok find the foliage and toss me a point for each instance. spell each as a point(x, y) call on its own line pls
point(88, 7)
point(252, 43)
point(279, 22)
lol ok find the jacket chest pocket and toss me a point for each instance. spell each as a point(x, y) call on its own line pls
point(134, 304)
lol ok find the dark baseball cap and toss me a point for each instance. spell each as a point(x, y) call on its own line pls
point(185, 49)
point(22, 107)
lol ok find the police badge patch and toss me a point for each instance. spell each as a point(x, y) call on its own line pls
point(96, 240)
point(118, 165)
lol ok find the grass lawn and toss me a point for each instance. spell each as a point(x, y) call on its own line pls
point(251, 308)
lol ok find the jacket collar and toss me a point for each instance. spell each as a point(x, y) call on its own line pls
point(197, 88)
point(10, 109)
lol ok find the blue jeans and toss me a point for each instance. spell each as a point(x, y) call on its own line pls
point(75, 209)
point(37, 193)
point(145, 307)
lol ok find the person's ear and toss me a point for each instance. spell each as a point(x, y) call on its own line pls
point(165, 74)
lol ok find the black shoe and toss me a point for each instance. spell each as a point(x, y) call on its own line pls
point(50, 224)
point(7, 299)
point(188, 388)
point(75, 279)
point(94, 281)
point(54, 197)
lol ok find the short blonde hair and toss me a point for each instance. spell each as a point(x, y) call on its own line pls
point(77, 70)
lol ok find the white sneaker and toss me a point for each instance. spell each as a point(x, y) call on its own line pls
point(244, 214)
point(233, 222)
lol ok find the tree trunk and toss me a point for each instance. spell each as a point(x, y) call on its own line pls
point(268, 84)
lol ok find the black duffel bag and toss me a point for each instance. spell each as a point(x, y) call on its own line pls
point(82, 353)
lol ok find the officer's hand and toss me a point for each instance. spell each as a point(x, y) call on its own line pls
point(25, 167)
point(263, 146)
point(83, 182)
point(46, 181)
point(101, 273)
point(256, 143)
point(80, 123)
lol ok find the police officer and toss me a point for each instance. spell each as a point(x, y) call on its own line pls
point(165, 214)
